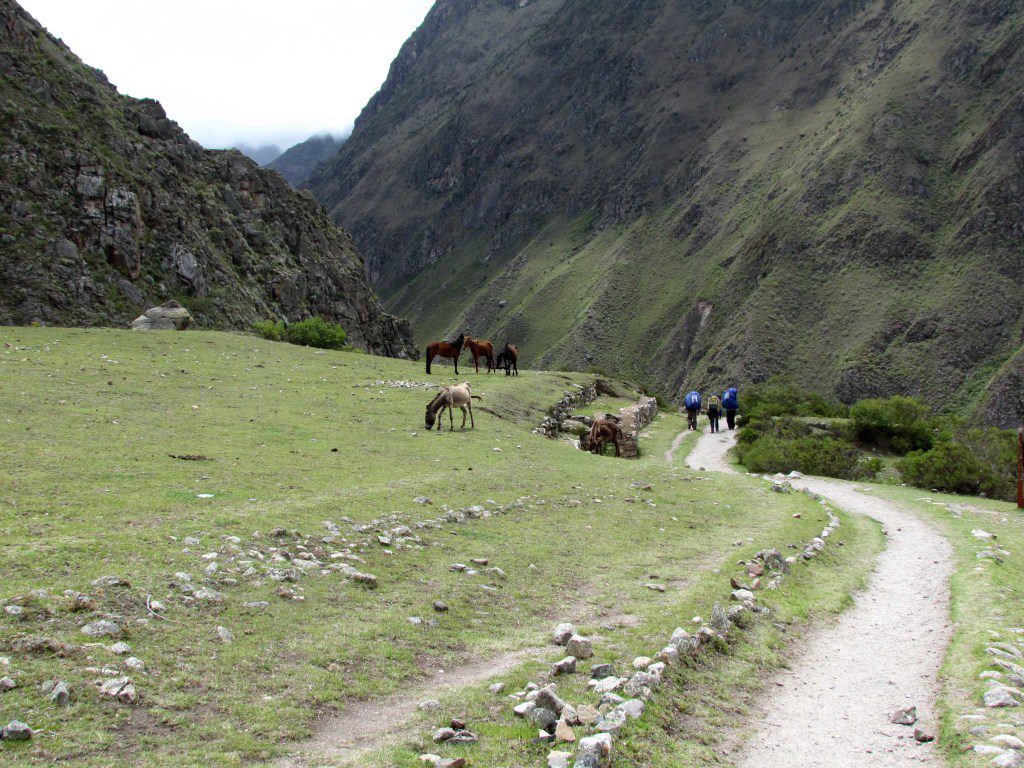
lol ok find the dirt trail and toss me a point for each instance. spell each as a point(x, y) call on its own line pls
point(832, 707)
point(367, 726)
point(670, 454)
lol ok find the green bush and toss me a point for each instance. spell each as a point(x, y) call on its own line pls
point(995, 450)
point(269, 330)
point(782, 397)
point(946, 467)
point(810, 455)
point(900, 424)
point(313, 332)
point(979, 461)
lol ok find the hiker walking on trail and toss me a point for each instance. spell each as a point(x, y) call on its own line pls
point(714, 411)
point(692, 403)
point(731, 403)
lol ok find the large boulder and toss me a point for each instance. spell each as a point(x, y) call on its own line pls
point(169, 316)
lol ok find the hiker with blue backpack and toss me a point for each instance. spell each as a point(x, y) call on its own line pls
point(731, 404)
point(692, 403)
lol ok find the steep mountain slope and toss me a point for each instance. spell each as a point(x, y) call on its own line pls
point(298, 163)
point(107, 207)
point(705, 191)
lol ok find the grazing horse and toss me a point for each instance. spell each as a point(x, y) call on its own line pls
point(446, 349)
point(479, 348)
point(508, 359)
point(603, 432)
point(452, 397)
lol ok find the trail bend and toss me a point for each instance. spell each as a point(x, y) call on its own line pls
point(831, 708)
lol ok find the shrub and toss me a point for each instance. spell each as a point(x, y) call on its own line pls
point(269, 330)
point(810, 455)
point(782, 397)
point(900, 424)
point(995, 450)
point(313, 332)
point(979, 461)
point(946, 467)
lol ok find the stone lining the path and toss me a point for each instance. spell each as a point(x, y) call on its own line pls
point(620, 699)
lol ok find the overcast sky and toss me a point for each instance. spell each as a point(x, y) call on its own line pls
point(234, 71)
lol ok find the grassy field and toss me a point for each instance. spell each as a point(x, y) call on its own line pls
point(95, 424)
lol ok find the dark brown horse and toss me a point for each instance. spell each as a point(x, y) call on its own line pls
point(479, 348)
point(508, 359)
point(446, 349)
point(603, 432)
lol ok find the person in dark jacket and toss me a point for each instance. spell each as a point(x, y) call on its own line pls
point(731, 404)
point(714, 411)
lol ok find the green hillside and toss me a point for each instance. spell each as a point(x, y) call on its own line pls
point(703, 193)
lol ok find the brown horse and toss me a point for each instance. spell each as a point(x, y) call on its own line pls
point(508, 359)
point(479, 348)
point(446, 349)
point(603, 432)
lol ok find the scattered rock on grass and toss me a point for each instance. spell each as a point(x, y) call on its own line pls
point(1000, 697)
point(559, 759)
point(16, 731)
point(564, 633)
point(580, 647)
point(120, 688)
point(7, 684)
point(224, 635)
point(102, 628)
point(594, 752)
point(564, 667)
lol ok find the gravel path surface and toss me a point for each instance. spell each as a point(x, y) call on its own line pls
point(832, 707)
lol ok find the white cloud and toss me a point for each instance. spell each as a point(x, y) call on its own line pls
point(241, 70)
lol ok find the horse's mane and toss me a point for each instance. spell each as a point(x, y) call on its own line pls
point(434, 403)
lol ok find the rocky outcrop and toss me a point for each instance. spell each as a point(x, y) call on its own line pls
point(169, 316)
point(726, 190)
point(107, 208)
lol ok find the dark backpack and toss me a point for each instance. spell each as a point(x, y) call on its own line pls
point(692, 401)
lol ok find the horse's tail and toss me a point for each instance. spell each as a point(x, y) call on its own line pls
point(428, 362)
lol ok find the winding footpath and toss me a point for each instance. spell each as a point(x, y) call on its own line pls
point(831, 708)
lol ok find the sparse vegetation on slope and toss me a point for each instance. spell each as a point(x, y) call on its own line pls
point(708, 193)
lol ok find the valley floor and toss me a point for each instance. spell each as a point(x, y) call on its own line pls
point(243, 493)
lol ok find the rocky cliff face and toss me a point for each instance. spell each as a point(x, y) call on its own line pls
point(107, 207)
point(298, 163)
point(704, 192)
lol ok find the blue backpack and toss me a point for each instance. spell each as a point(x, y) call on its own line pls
point(692, 401)
point(731, 399)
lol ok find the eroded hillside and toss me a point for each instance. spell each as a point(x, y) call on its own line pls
point(704, 192)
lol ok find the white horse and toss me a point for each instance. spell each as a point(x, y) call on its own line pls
point(456, 396)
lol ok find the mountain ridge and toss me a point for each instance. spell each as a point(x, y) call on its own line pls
point(108, 207)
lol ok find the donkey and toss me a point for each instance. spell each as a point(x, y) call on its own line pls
point(508, 359)
point(446, 349)
point(456, 396)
